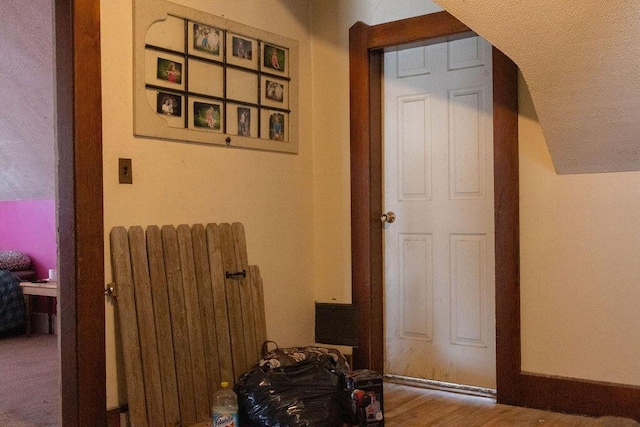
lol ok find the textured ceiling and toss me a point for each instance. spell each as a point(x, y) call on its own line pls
point(26, 95)
point(581, 61)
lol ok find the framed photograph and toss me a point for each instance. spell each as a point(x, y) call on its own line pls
point(164, 69)
point(274, 125)
point(169, 70)
point(169, 104)
point(242, 120)
point(275, 92)
point(204, 79)
point(167, 107)
point(242, 51)
point(241, 48)
point(206, 41)
point(275, 59)
point(206, 115)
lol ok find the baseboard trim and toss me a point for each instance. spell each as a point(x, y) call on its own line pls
point(114, 416)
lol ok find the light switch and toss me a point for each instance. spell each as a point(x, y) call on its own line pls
point(125, 173)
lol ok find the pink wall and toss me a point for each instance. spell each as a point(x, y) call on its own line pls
point(29, 226)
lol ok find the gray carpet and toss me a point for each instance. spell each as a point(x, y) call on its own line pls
point(29, 381)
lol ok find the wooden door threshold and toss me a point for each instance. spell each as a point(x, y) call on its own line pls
point(442, 386)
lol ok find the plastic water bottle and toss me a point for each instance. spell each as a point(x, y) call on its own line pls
point(225, 407)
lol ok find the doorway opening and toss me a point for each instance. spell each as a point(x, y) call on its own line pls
point(367, 44)
point(514, 387)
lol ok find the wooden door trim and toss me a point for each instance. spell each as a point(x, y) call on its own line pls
point(80, 212)
point(515, 387)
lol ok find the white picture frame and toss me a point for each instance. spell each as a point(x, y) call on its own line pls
point(166, 33)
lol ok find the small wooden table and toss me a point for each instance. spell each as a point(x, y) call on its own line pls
point(42, 289)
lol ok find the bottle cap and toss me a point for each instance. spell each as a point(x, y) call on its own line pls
point(224, 384)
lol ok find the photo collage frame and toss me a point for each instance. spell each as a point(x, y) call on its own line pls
point(202, 78)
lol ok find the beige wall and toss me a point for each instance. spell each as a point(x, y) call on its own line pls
point(579, 240)
point(331, 21)
point(577, 231)
point(174, 183)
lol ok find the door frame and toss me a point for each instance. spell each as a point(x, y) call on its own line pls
point(78, 103)
point(514, 387)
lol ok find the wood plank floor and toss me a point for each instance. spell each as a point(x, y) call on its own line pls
point(412, 406)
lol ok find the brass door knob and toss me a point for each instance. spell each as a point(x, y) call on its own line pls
point(388, 217)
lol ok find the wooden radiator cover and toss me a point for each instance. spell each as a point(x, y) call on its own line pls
point(191, 314)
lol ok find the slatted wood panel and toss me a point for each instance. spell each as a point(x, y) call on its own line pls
point(242, 264)
point(160, 291)
point(207, 316)
point(186, 324)
point(194, 327)
point(214, 249)
point(232, 289)
point(259, 316)
point(123, 276)
point(146, 325)
point(184, 373)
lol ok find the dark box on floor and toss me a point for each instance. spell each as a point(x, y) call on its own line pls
point(363, 392)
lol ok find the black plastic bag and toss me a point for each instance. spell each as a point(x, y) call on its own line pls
point(305, 393)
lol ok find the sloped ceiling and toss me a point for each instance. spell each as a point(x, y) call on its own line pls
point(581, 61)
point(26, 98)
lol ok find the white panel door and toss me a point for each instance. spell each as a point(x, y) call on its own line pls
point(439, 253)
